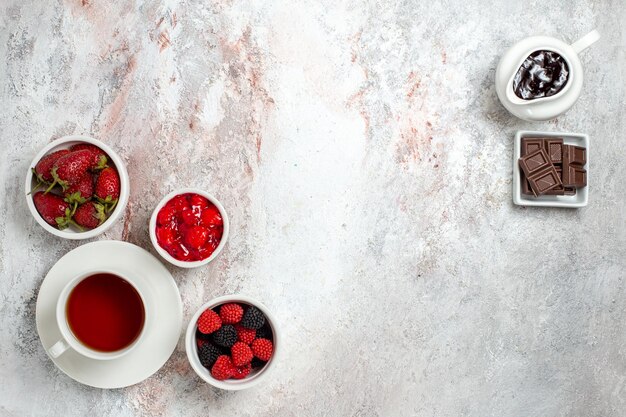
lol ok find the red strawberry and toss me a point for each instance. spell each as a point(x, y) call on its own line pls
point(245, 335)
point(223, 368)
point(89, 215)
point(242, 371)
point(108, 187)
point(196, 236)
point(80, 191)
point(241, 353)
point(54, 210)
point(231, 313)
point(44, 167)
point(99, 157)
point(69, 168)
point(262, 349)
point(209, 321)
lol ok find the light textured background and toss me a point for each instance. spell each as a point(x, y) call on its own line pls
point(365, 161)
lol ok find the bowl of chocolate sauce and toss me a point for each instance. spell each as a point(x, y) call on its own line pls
point(541, 77)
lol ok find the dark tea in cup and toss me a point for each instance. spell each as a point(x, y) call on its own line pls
point(105, 312)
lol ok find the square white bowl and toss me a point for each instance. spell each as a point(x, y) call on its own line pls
point(569, 201)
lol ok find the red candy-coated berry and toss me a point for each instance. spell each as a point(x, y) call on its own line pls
point(196, 236)
point(223, 368)
point(262, 349)
point(241, 353)
point(209, 321)
point(231, 313)
point(245, 335)
point(242, 371)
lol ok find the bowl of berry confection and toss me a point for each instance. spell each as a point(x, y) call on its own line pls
point(232, 342)
point(189, 228)
point(77, 187)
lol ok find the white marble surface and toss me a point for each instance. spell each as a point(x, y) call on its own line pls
point(366, 165)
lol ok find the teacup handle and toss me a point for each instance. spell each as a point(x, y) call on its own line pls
point(58, 348)
point(586, 41)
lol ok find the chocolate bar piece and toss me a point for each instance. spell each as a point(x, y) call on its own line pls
point(525, 185)
point(530, 145)
point(575, 176)
point(534, 162)
point(544, 181)
point(539, 172)
point(560, 190)
point(576, 155)
point(554, 148)
point(574, 159)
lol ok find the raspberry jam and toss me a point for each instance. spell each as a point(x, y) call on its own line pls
point(189, 227)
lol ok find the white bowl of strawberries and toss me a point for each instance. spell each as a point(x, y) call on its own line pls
point(232, 342)
point(77, 187)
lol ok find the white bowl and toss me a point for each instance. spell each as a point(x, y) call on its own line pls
point(164, 253)
point(70, 233)
point(231, 384)
point(572, 201)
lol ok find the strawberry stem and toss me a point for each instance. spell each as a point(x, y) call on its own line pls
point(51, 187)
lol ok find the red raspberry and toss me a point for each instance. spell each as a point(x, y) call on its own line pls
point(231, 313)
point(166, 215)
point(262, 349)
point(242, 371)
point(241, 353)
point(209, 322)
point(211, 217)
point(199, 201)
point(223, 368)
point(245, 335)
point(196, 236)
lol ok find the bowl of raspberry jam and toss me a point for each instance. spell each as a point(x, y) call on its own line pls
point(189, 228)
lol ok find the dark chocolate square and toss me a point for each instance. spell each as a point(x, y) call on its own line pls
point(530, 145)
point(554, 148)
point(545, 180)
point(533, 162)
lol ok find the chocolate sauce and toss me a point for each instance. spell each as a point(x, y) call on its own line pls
point(542, 74)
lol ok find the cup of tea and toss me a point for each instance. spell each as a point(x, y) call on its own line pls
point(102, 315)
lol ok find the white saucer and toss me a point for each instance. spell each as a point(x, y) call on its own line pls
point(151, 277)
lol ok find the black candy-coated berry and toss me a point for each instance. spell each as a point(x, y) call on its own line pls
point(264, 333)
point(225, 336)
point(253, 318)
point(257, 363)
point(208, 354)
point(200, 335)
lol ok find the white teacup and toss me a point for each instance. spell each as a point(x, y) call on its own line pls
point(70, 341)
point(544, 108)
